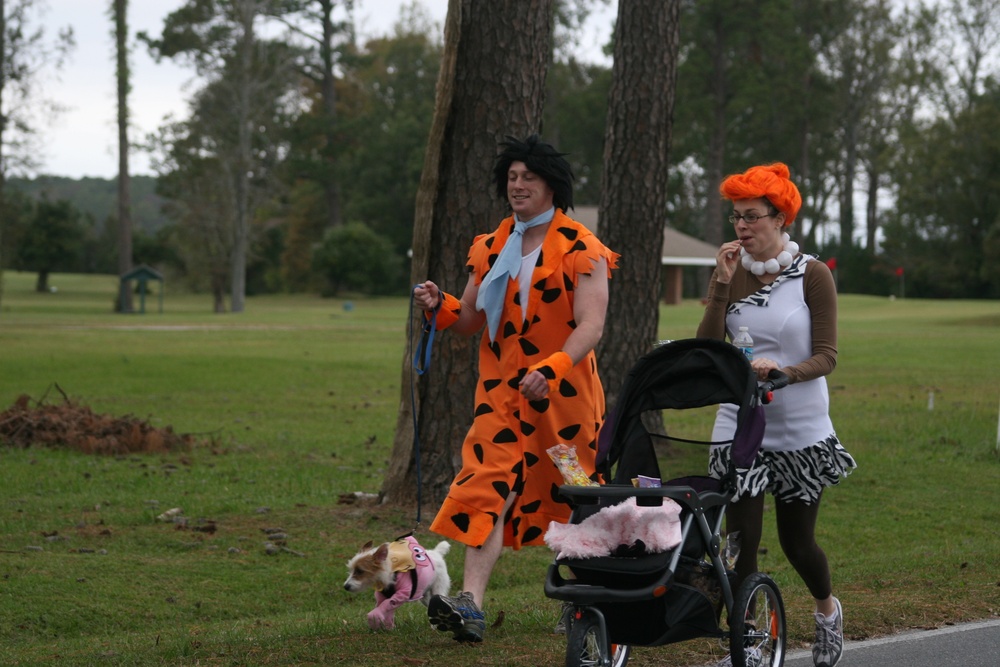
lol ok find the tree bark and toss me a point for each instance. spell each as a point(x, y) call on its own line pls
point(246, 13)
point(633, 206)
point(491, 84)
point(122, 72)
point(3, 130)
point(328, 92)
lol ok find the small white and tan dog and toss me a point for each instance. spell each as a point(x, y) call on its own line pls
point(399, 571)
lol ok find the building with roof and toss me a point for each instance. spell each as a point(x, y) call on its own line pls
point(678, 251)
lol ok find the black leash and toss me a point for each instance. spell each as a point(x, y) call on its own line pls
point(421, 364)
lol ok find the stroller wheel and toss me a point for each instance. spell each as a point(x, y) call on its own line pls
point(757, 624)
point(587, 643)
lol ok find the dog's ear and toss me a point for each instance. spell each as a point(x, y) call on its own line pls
point(368, 545)
point(382, 552)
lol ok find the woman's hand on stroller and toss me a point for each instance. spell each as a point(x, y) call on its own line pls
point(763, 366)
point(775, 380)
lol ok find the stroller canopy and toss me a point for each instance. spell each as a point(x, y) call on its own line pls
point(682, 374)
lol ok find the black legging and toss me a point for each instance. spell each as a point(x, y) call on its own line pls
point(797, 533)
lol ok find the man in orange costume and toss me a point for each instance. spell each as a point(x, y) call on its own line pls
point(539, 284)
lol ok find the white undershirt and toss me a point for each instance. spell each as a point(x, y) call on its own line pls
point(524, 278)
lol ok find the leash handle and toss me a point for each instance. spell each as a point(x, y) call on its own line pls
point(421, 364)
point(422, 357)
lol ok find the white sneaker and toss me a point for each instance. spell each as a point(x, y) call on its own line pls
point(829, 644)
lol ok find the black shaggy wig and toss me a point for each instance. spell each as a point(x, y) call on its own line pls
point(541, 158)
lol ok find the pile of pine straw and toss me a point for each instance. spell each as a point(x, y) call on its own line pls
point(30, 423)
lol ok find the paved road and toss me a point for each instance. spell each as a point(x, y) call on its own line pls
point(966, 645)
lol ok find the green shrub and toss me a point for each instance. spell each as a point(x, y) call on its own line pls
point(354, 257)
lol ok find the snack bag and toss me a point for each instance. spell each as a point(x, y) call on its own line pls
point(564, 456)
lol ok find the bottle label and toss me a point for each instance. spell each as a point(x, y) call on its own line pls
point(747, 351)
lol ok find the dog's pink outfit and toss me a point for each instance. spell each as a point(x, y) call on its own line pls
point(413, 573)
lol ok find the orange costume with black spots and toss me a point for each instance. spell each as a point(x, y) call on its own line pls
point(504, 450)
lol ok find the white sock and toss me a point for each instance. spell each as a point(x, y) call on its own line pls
point(831, 618)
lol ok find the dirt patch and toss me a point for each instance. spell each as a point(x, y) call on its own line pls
point(30, 423)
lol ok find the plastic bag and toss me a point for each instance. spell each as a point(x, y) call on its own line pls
point(564, 456)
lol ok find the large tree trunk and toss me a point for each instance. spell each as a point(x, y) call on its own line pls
point(42, 281)
point(328, 91)
point(871, 211)
point(491, 84)
point(246, 12)
point(124, 194)
point(847, 184)
point(633, 205)
point(3, 128)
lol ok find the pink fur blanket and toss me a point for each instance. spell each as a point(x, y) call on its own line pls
point(620, 525)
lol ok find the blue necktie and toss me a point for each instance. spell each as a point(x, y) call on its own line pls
point(494, 286)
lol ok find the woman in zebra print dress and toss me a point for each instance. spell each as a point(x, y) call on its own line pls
point(788, 301)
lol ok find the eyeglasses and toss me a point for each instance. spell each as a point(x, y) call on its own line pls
point(749, 218)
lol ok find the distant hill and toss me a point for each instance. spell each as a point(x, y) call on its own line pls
point(99, 197)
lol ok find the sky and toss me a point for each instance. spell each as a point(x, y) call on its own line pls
point(82, 140)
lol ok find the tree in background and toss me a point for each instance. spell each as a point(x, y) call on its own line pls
point(576, 106)
point(354, 257)
point(576, 101)
point(197, 159)
point(52, 241)
point(391, 104)
point(634, 196)
point(119, 13)
point(24, 55)
point(326, 42)
point(492, 84)
point(248, 78)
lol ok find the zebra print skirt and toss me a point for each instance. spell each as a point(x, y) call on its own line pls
point(800, 475)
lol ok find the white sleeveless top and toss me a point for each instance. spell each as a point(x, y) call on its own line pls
point(782, 330)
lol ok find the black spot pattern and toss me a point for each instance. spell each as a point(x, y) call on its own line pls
point(505, 436)
point(532, 534)
point(569, 432)
point(566, 389)
point(550, 295)
point(483, 409)
point(539, 406)
point(531, 508)
point(461, 521)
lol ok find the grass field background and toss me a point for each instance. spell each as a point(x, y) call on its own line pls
point(295, 401)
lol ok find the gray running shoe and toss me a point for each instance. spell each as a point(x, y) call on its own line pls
point(458, 615)
point(829, 644)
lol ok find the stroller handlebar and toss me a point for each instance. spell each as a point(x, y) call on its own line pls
point(776, 380)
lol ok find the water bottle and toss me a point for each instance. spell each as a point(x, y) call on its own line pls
point(744, 342)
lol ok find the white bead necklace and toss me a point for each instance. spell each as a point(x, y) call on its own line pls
point(775, 265)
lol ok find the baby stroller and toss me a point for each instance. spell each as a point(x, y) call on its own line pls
point(627, 599)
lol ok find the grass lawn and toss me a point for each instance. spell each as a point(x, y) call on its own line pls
point(294, 403)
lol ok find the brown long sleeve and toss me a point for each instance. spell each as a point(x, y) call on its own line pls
point(821, 298)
